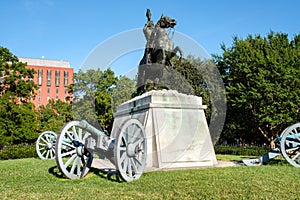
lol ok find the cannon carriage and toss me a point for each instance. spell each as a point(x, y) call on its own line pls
point(287, 146)
point(78, 141)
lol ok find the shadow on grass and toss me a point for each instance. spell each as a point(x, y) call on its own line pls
point(278, 162)
point(55, 172)
point(108, 174)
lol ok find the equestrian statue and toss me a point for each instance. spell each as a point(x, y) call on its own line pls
point(158, 52)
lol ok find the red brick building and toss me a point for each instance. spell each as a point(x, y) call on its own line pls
point(52, 77)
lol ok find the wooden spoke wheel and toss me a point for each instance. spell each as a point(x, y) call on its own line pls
point(45, 145)
point(72, 157)
point(130, 150)
point(290, 144)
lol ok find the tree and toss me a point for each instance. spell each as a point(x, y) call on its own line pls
point(83, 89)
point(125, 88)
point(16, 79)
point(263, 85)
point(92, 99)
point(54, 115)
point(187, 77)
point(103, 103)
point(18, 122)
point(18, 116)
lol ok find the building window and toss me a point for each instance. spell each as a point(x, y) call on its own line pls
point(39, 98)
point(57, 77)
point(48, 90)
point(56, 90)
point(40, 77)
point(48, 98)
point(66, 78)
point(39, 90)
point(48, 77)
point(56, 98)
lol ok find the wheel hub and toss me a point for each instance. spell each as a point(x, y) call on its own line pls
point(49, 145)
point(131, 150)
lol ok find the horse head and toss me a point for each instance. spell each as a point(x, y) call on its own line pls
point(166, 22)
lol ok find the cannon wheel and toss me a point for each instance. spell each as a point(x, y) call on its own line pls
point(290, 144)
point(45, 145)
point(130, 150)
point(70, 158)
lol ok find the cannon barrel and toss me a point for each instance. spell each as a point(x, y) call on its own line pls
point(91, 129)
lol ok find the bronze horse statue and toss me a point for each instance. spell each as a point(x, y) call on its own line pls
point(158, 52)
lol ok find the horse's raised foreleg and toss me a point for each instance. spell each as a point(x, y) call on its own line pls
point(178, 49)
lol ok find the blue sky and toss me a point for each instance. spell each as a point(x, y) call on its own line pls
point(70, 29)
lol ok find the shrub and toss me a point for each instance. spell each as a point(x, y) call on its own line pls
point(18, 151)
point(243, 151)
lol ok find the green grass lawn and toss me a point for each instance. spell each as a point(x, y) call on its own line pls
point(38, 179)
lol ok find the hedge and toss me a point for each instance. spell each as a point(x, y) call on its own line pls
point(243, 151)
point(18, 151)
point(28, 151)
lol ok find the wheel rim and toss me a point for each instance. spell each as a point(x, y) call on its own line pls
point(130, 150)
point(70, 157)
point(290, 145)
point(45, 145)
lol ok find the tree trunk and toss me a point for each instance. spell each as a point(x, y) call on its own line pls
point(270, 139)
point(272, 144)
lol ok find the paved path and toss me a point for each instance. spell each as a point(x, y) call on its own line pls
point(102, 164)
point(227, 164)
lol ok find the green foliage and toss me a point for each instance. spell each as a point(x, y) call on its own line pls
point(18, 151)
point(54, 115)
point(25, 123)
point(85, 86)
point(17, 115)
point(262, 83)
point(244, 151)
point(103, 97)
point(123, 91)
point(93, 97)
point(188, 77)
point(16, 79)
point(179, 78)
point(18, 122)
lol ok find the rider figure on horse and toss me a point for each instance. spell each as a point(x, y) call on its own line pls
point(158, 53)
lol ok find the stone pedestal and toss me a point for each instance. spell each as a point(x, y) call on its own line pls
point(176, 129)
